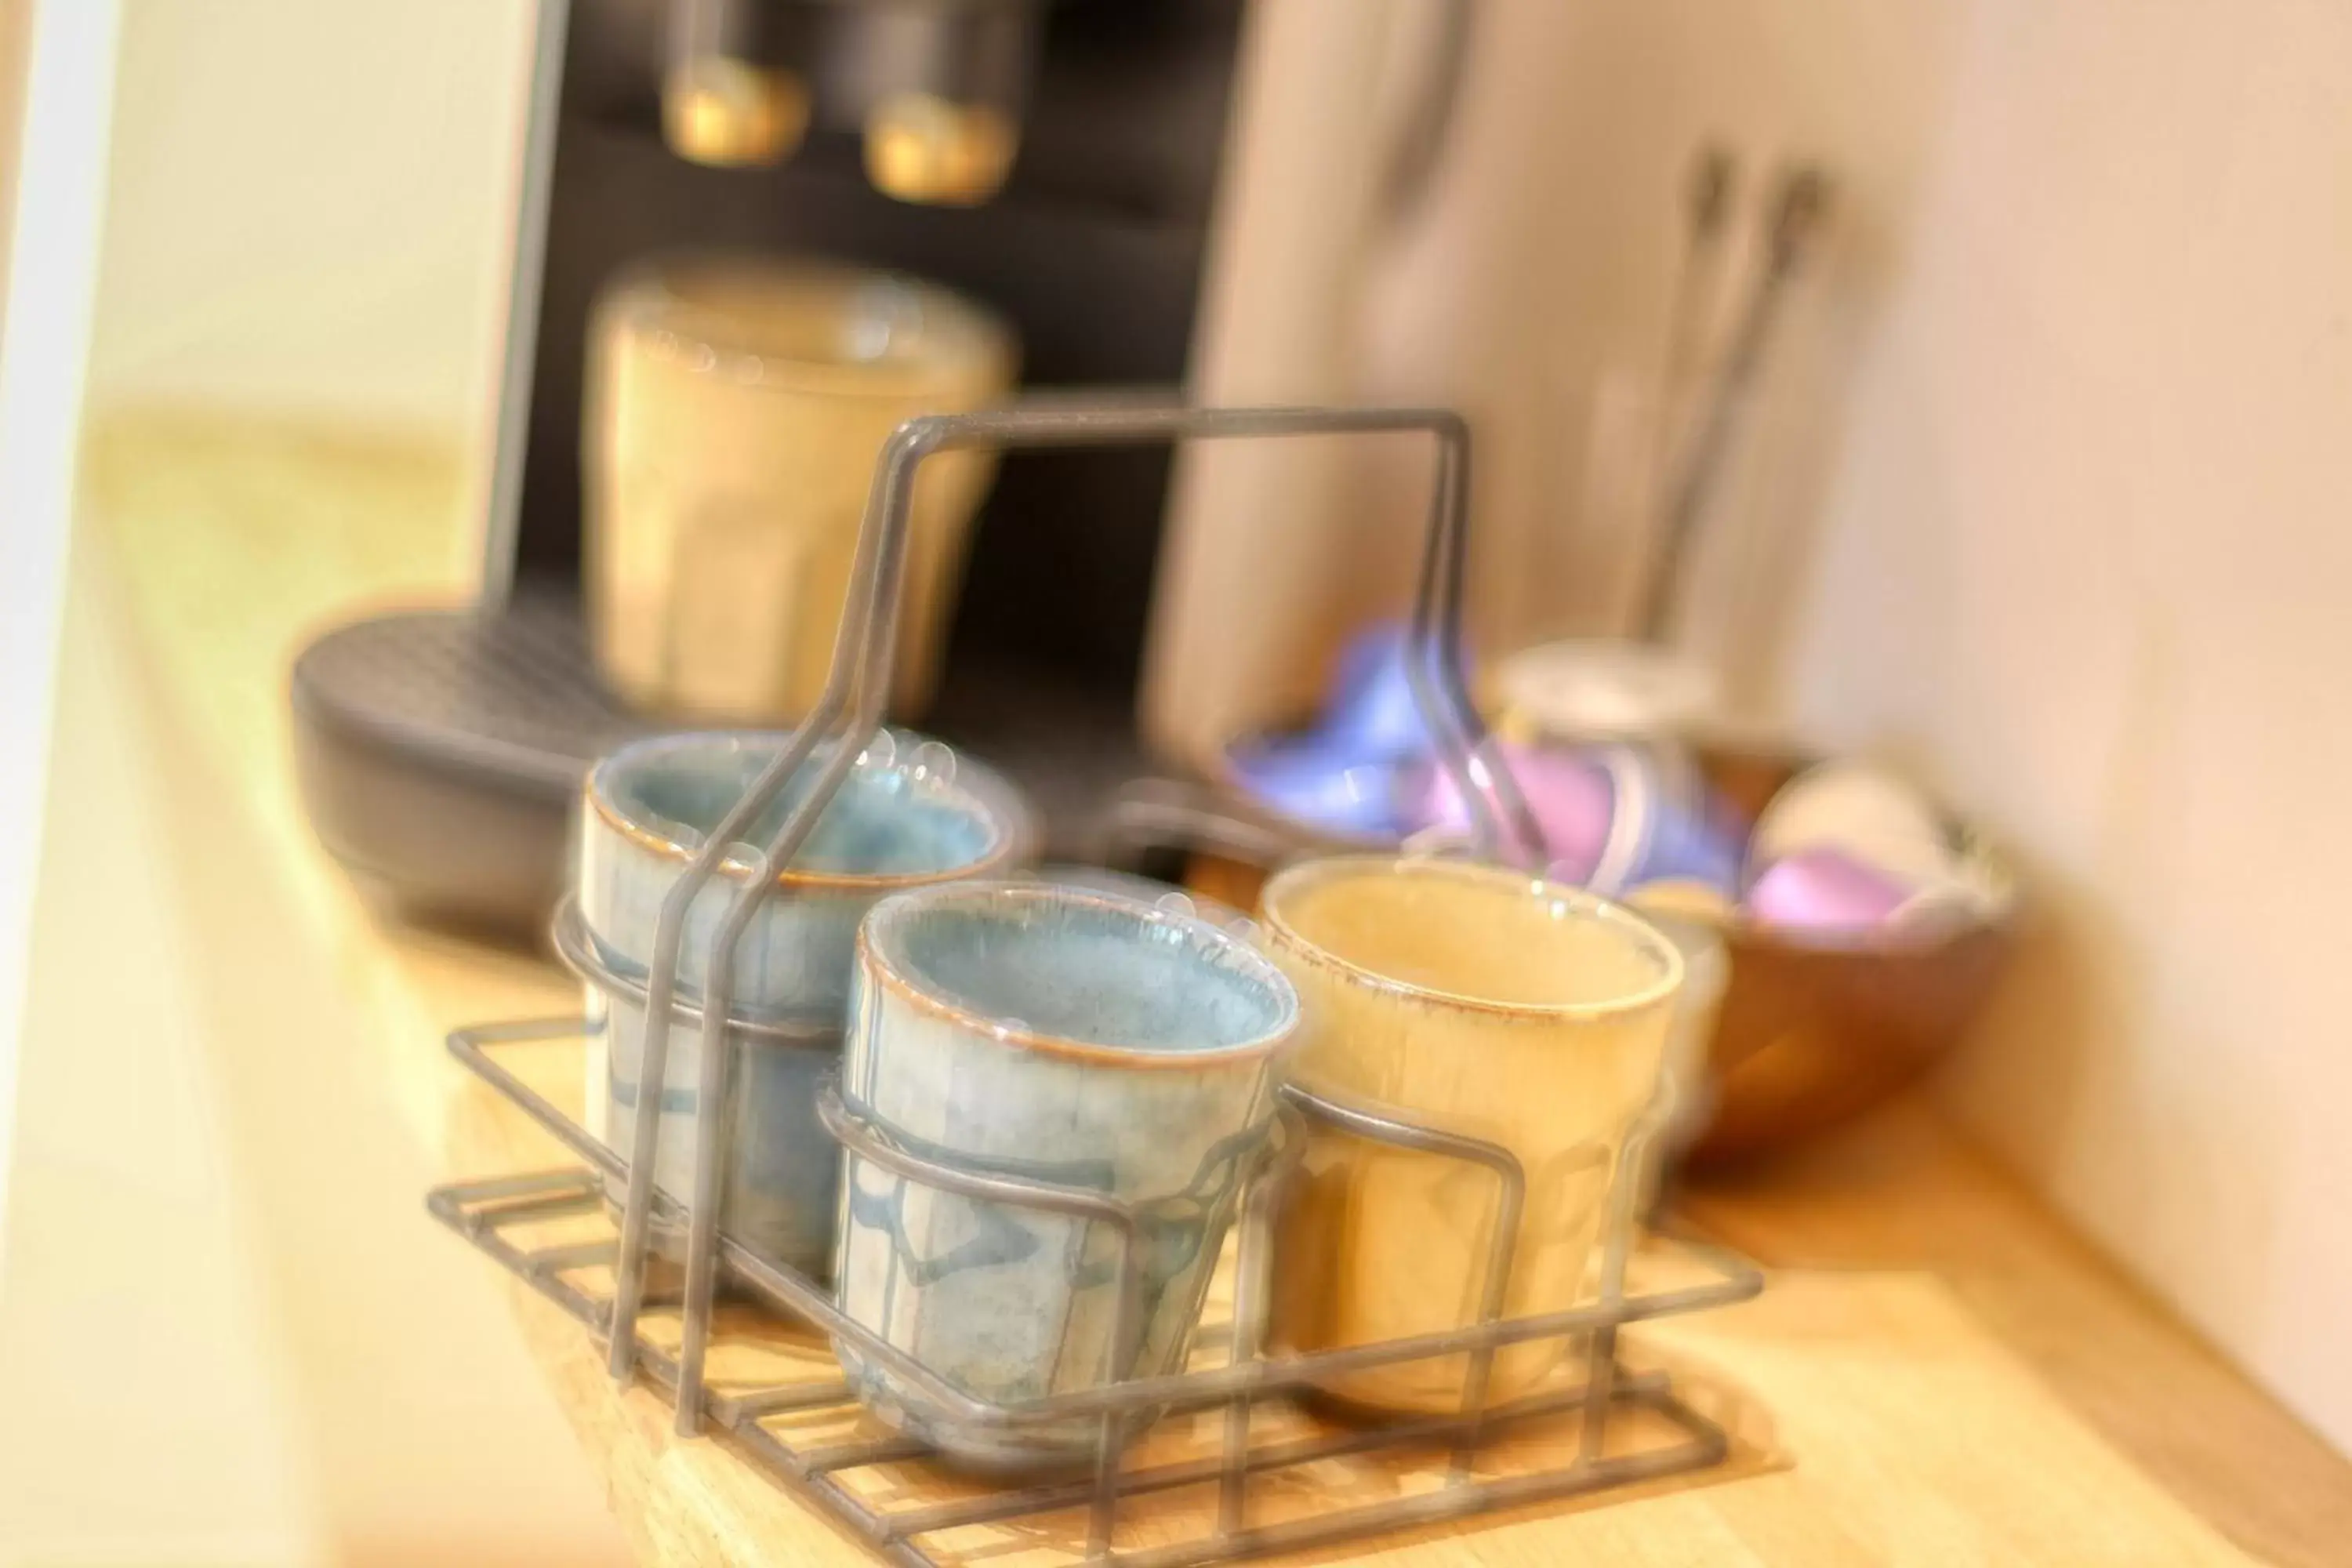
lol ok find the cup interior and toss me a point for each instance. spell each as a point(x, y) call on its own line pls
point(1474, 935)
point(889, 820)
point(821, 325)
point(1058, 963)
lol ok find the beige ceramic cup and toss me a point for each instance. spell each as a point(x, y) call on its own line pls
point(1480, 1001)
point(736, 407)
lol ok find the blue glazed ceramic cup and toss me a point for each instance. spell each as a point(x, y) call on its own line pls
point(909, 814)
point(1060, 1036)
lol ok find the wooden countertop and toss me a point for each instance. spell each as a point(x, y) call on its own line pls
point(1945, 1372)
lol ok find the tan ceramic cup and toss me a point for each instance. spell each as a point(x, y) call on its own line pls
point(1481, 1002)
point(736, 407)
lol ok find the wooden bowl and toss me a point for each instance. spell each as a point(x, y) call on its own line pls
point(1812, 1033)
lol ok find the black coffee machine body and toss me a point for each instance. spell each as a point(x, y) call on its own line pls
point(440, 752)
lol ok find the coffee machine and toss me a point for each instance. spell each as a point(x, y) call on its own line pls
point(1057, 160)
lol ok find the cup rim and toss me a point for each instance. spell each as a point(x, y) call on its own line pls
point(978, 343)
point(597, 792)
point(874, 959)
point(1526, 883)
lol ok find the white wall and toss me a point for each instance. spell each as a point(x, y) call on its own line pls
point(2083, 345)
point(2087, 562)
point(2083, 349)
point(1536, 273)
point(308, 204)
point(1541, 279)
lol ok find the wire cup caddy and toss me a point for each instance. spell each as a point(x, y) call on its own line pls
point(1244, 1457)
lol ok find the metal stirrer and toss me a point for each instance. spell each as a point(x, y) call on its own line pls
point(1709, 199)
point(1798, 213)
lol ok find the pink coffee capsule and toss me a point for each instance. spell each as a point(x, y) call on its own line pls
point(1825, 889)
point(1571, 793)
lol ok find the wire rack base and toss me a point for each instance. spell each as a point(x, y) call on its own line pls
point(1184, 1494)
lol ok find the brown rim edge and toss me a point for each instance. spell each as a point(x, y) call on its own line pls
point(1279, 930)
point(872, 961)
point(1000, 845)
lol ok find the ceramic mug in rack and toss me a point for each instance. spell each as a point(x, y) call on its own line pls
point(909, 814)
point(1061, 1035)
point(1479, 1002)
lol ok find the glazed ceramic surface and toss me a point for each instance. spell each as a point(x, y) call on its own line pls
point(1481, 1002)
point(909, 814)
point(1153, 892)
point(1061, 1035)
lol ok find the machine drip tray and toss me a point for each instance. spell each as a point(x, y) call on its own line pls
point(440, 751)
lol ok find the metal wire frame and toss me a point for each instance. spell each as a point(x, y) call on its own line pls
point(846, 718)
point(481, 1211)
point(849, 710)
